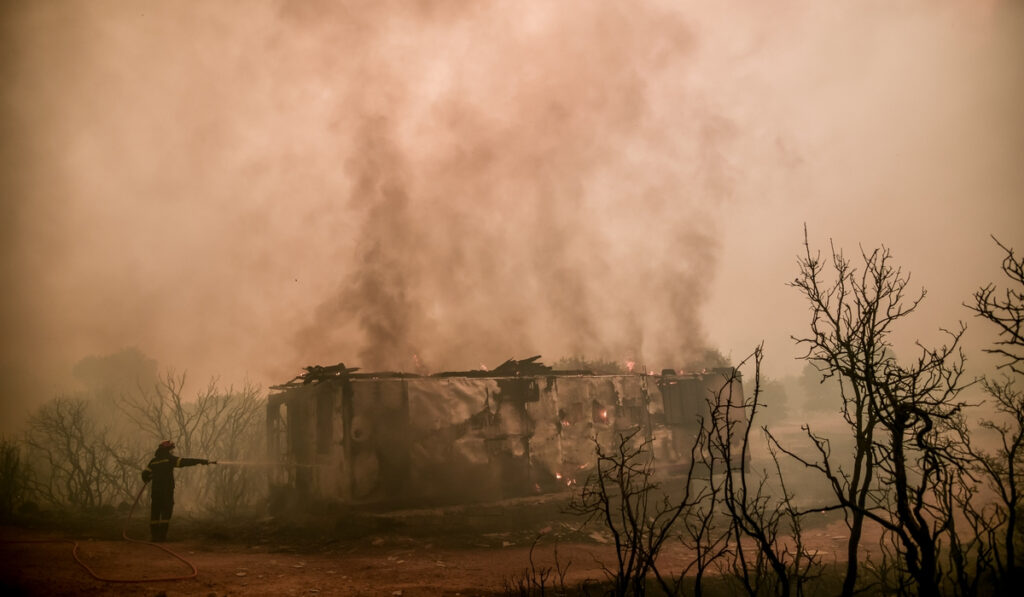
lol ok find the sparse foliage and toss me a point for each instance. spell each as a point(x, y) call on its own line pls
point(595, 365)
point(1006, 311)
point(904, 418)
point(623, 496)
point(759, 507)
point(539, 580)
point(77, 465)
point(1003, 468)
point(14, 477)
point(723, 507)
point(704, 530)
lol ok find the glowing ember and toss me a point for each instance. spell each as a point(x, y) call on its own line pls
point(630, 365)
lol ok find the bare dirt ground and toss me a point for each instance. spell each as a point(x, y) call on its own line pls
point(469, 550)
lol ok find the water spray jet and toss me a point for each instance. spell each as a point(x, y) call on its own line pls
point(258, 463)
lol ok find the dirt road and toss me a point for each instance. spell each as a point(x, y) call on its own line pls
point(473, 550)
point(391, 567)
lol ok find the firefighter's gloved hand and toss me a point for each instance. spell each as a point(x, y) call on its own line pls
point(204, 462)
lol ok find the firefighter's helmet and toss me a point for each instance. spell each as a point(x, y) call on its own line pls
point(167, 445)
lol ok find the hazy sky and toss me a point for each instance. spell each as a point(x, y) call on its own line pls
point(244, 188)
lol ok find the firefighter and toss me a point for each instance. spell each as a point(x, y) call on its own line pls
point(160, 470)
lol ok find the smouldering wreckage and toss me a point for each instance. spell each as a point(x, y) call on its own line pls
point(339, 435)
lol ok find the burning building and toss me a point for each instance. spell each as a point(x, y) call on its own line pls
point(523, 428)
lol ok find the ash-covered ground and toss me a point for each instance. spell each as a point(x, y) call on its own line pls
point(478, 549)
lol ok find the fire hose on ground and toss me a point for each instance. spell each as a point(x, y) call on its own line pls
point(124, 535)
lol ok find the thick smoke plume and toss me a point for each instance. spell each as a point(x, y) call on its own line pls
point(502, 199)
point(246, 190)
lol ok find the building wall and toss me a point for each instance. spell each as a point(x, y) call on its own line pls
point(455, 439)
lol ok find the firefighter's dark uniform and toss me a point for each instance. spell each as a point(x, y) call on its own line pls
point(161, 472)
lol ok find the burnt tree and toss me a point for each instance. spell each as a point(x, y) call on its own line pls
point(902, 416)
point(1003, 469)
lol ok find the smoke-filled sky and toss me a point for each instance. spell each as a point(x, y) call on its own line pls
point(245, 188)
